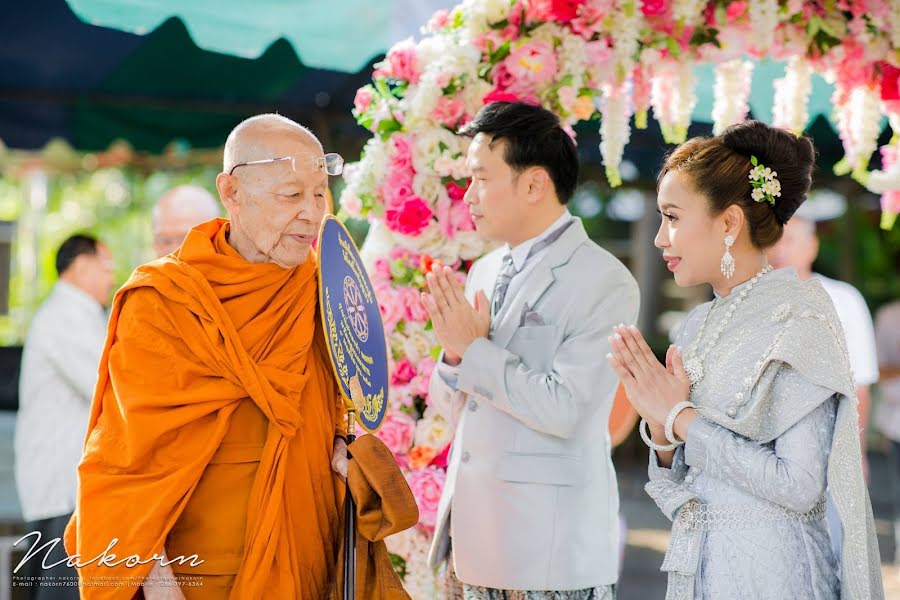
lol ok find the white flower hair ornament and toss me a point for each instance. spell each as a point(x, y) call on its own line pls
point(766, 186)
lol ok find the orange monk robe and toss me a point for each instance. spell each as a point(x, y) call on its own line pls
point(211, 429)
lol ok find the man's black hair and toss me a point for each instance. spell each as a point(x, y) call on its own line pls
point(534, 138)
point(72, 248)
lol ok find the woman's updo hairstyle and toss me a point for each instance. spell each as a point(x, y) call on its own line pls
point(719, 168)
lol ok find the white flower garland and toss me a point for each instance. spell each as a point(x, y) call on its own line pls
point(763, 21)
point(732, 92)
point(791, 106)
point(615, 128)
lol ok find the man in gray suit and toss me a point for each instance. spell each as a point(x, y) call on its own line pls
point(530, 500)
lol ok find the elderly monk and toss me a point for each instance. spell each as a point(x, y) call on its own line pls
point(176, 212)
point(216, 422)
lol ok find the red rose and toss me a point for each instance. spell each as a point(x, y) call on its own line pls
point(890, 82)
point(653, 8)
point(409, 218)
point(455, 192)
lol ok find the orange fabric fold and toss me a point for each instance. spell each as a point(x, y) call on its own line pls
point(194, 338)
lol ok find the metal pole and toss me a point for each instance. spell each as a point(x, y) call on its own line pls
point(350, 523)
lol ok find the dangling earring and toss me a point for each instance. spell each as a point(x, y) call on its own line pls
point(727, 259)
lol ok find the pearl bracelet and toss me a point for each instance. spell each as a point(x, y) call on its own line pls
point(642, 428)
point(670, 420)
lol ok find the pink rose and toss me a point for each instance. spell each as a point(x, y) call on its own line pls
point(382, 270)
point(400, 62)
point(438, 20)
point(401, 153)
point(403, 373)
point(426, 486)
point(502, 77)
point(448, 111)
point(409, 218)
point(396, 192)
point(352, 205)
point(391, 309)
point(412, 302)
point(453, 217)
point(588, 22)
point(455, 192)
point(419, 383)
point(735, 10)
point(397, 431)
point(363, 99)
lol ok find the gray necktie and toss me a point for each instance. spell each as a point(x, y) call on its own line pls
point(508, 269)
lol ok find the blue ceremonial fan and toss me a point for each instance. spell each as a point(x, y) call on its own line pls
point(352, 322)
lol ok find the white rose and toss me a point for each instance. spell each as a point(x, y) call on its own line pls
point(426, 185)
point(433, 431)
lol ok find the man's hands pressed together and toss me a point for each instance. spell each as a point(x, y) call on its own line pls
point(456, 322)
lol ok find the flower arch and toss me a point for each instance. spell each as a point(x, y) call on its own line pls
point(582, 59)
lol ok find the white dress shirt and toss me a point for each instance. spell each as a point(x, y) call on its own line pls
point(856, 321)
point(523, 263)
point(60, 363)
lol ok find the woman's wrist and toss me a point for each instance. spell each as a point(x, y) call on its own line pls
point(683, 423)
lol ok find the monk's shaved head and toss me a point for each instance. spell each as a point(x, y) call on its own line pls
point(252, 139)
point(176, 212)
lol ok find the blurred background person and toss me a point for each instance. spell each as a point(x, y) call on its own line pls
point(176, 212)
point(799, 248)
point(59, 371)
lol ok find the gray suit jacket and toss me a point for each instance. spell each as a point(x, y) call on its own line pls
point(530, 498)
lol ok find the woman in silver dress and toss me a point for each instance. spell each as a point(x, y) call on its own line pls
point(752, 422)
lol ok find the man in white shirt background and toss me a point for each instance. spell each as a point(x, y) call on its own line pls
point(799, 248)
point(59, 371)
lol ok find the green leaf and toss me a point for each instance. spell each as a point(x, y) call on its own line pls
point(753, 161)
point(435, 353)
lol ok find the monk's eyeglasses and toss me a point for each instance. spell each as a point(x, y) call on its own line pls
point(332, 163)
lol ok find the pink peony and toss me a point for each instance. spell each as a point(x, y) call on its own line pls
point(426, 486)
point(534, 62)
point(890, 82)
point(409, 218)
point(448, 111)
point(403, 373)
point(363, 99)
point(397, 431)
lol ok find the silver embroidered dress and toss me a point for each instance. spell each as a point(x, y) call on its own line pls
point(777, 431)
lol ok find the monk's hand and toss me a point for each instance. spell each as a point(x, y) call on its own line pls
point(339, 459)
point(456, 322)
point(161, 584)
point(652, 388)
